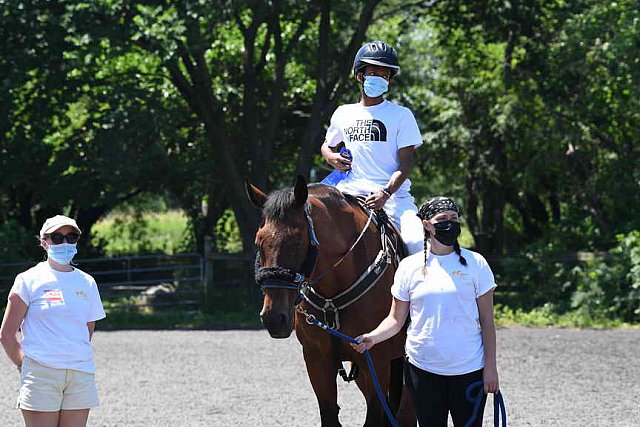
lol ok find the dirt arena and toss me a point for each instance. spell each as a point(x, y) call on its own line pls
point(549, 377)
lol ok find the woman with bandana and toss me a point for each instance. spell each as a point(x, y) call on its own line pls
point(55, 305)
point(381, 137)
point(447, 292)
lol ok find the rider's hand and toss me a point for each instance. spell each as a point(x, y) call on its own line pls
point(365, 342)
point(376, 200)
point(338, 162)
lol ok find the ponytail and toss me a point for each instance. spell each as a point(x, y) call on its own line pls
point(427, 249)
point(456, 247)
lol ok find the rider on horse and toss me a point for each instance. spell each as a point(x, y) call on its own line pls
point(382, 137)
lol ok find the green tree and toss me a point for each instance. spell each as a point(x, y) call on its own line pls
point(242, 70)
point(79, 133)
point(531, 105)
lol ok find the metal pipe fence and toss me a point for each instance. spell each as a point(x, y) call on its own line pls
point(196, 279)
point(124, 279)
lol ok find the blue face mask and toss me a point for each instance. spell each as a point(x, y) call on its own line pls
point(62, 253)
point(374, 86)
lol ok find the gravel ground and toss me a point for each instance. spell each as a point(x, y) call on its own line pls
point(549, 377)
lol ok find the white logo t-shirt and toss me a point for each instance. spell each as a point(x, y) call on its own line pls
point(374, 135)
point(60, 304)
point(444, 336)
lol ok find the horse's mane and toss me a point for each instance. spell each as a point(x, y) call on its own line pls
point(280, 202)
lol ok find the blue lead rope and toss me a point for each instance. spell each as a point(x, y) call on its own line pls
point(498, 405)
point(498, 401)
point(367, 356)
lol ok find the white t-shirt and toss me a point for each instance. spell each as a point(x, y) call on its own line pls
point(60, 304)
point(374, 135)
point(444, 336)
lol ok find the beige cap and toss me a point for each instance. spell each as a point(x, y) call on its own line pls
point(55, 222)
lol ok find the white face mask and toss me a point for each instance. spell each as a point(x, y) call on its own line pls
point(374, 86)
point(62, 253)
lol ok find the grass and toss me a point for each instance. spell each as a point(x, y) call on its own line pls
point(543, 317)
point(236, 309)
point(177, 319)
point(239, 310)
point(148, 233)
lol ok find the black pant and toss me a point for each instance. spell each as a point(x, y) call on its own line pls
point(434, 396)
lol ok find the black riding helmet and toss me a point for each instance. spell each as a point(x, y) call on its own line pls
point(376, 53)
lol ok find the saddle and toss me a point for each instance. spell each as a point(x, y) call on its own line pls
point(385, 226)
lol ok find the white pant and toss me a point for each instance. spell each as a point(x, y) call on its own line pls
point(402, 211)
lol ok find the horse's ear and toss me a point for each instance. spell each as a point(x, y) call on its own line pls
point(255, 195)
point(300, 192)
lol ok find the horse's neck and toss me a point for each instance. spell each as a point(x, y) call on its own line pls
point(338, 228)
point(339, 222)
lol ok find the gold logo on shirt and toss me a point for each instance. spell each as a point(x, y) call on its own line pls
point(460, 274)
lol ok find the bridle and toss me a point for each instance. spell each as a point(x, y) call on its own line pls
point(283, 278)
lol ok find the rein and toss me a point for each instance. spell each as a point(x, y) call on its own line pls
point(342, 258)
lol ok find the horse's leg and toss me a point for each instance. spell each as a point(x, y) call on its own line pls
point(376, 417)
point(322, 373)
point(406, 415)
point(399, 399)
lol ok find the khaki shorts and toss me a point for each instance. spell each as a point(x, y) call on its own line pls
point(51, 390)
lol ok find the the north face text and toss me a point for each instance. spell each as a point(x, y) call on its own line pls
point(367, 130)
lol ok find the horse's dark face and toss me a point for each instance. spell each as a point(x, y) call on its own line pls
point(281, 245)
point(282, 241)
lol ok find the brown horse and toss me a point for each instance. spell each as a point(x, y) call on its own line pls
point(313, 239)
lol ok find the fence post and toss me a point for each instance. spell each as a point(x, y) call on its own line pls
point(208, 270)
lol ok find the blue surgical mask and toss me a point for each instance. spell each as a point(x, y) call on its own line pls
point(62, 253)
point(374, 86)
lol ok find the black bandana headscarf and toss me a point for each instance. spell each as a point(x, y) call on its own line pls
point(435, 205)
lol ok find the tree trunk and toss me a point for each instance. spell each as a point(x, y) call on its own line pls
point(329, 91)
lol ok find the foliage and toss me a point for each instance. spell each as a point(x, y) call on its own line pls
point(547, 316)
point(20, 240)
point(549, 280)
point(138, 234)
point(610, 288)
point(80, 132)
point(539, 274)
point(529, 111)
point(532, 107)
point(227, 234)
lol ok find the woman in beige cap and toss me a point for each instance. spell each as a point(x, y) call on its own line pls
point(55, 305)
